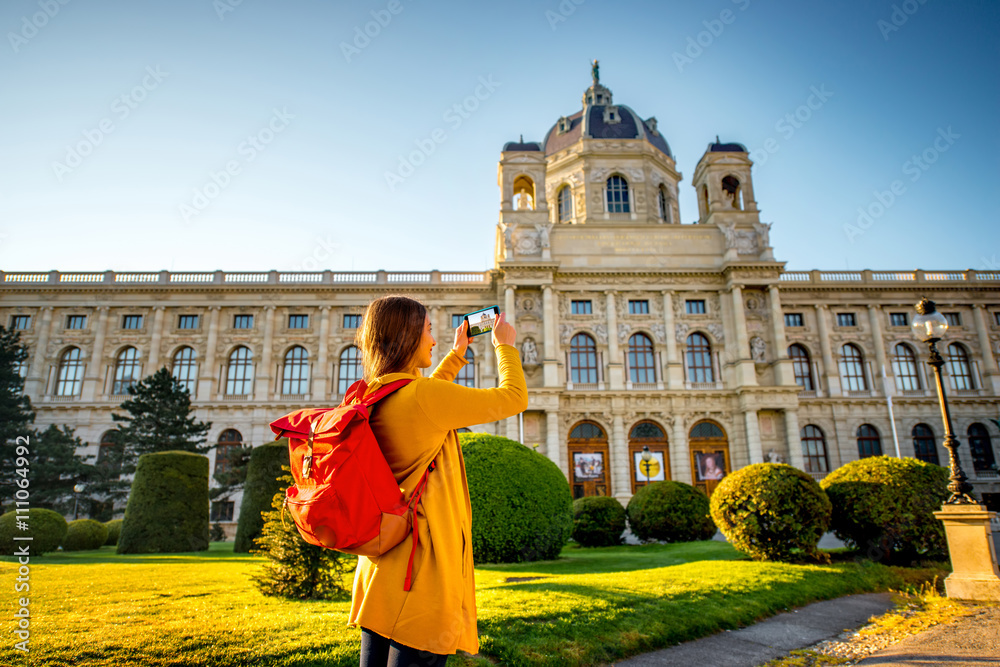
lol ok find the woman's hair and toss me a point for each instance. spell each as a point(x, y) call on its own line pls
point(390, 334)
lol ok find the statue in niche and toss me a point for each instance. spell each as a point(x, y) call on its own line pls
point(774, 457)
point(763, 230)
point(508, 238)
point(543, 234)
point(529, 352)
point(758, 349)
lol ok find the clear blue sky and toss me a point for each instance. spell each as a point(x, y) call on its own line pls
point(315, 195)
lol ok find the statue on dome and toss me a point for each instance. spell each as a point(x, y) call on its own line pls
point(595, 71)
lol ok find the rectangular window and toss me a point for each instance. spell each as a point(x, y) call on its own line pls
point(954, 319)
point(76, 322)
point(243, 321)
point(694, 306)
point(638, 307)
point(898, 319)
point(187, 322)
point(794, 320)
point(352, 321)
point(580, 308)
point(20, 322)
point(132, 322)
point(222, 510)
point(846, 320)
point(298, 321)
point(456, 321)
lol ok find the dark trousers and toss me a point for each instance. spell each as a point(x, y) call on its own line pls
point(377, 651)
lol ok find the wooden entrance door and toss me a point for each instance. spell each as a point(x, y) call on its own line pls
point(648, 434)
point(709, 455)
point(588, 460)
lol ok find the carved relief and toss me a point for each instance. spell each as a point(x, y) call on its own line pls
point(601, 333)
point(659, 332)
point(681, 330)
point(717, 332)
point(624, 331)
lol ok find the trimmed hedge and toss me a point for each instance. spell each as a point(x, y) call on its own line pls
point(167, 510)
point(598, 521)
point(84, 535)
point(45, 527)
point(522, 509)
point(771, 511)
point(114, 531)
point(263, 473)
point(883, 506)
point(671, 512)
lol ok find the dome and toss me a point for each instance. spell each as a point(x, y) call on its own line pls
point(604, 121)
point(521, 146)
point(719, 147)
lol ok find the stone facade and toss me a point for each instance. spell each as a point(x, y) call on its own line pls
point(634, 330)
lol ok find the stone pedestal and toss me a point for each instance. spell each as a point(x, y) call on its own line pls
point(973, 557)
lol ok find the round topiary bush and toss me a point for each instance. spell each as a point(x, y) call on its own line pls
point(883, 506)
point(167, 509)
point(263, 473)
point(84, 535)
point(771, 511)
point(671, 512)
point(45, 527)
point(114, 531)
point(598, 521)
point(522, 509)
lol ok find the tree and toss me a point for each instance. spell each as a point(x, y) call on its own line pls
point(158, 419)
point(233, 475)
point(16, 415)
point(56, 468)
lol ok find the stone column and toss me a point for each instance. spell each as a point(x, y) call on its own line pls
point(34, 383)
point(680, 456)
point(93, 381)
point(793, 439)
point(262, 374)
point(207, 377)
point(991, 375)
point(320, 379)
point(746, 375)
point(755, 451)
point(975, 574)
point(508, 304)
point(553, 443)
point(674, 376)
point(616, 377)
point(154, 342)
point(551, 359)
point(619, 464)
point(874, 315)
point(829, 368)
point(784, 373)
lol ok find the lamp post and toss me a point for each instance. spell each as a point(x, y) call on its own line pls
point(646, 456)
point(930, 326)
point(77, 490)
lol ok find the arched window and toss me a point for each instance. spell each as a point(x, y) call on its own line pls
point(731, 186)
point(617, 195)
point(126, 371)
point(295, 376)
point(852, 368)
point(801, 367)
point(814, 449)
point(663, 199)
point(981, 448)
point(904, 367)
point(587, 430)
point(185, 368)
point(239, 377)
point(70, 373)
point(524, 194)
point(699, 359)
point(641, 363)
point(467, 374)
point(923, 444)
point(959, 367)
point(583, 359)
point(110, 450)
point(869, 442)
point(565, 204)
point(350, 369)
point(227, 449)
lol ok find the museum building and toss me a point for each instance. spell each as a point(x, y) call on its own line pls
point(635, 331)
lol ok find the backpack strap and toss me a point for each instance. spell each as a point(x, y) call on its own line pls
point(414, 499)
point(382, 392)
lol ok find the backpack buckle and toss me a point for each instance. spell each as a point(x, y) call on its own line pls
point(308, 458)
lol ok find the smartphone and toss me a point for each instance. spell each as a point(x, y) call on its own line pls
point(482, 321)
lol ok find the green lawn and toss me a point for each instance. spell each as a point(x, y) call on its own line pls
point(589, 607)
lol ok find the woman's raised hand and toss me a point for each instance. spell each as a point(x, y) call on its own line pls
point(461, 339)
point(503, 332)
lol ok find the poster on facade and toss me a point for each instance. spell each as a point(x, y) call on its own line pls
point(588, 467)
point(654, 467)
point(710, 465)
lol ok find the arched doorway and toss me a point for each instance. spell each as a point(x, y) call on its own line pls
point(588, 457)
point(648, 434)
point(709, 455)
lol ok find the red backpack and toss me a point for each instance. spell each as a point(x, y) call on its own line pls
point(345, 496)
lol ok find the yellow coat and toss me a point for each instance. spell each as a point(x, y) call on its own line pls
point(414, 425)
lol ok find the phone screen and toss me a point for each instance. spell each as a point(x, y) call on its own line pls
point(482, 321)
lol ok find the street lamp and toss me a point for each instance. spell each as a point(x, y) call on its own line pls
point(646, 456)
point(77, 490)
point(930, 326)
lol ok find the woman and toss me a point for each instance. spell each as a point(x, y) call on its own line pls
point(414, 426)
